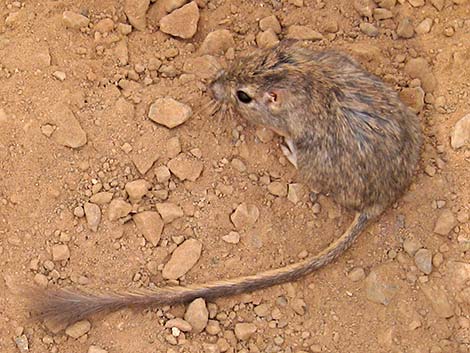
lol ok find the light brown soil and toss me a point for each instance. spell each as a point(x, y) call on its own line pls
point(41, 183)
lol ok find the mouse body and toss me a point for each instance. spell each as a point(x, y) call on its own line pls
point(346, 132)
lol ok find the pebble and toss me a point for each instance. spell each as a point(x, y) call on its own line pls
point(183, 259)
point(424, 26)
point(169, 211)
point(60, 75)
point(413, 97)
point(270, 22)
point(74, 20)
point(137, 189)
point(22, 343)
point(118, 208)
point(299, 306)
point(419, 68)
point(213, 327)
point(439, 300)
point(267, 39)
point(244, 216)
point(244, 330)
point(411, 246)
point(41, 280)
point(369, 29)
point(162, 173)
point(135, 11)
point(93, 215)
point(68, 133)
point(379, 288)
point(364, 7)
point(303, 33)
point(381, 13)
point(217, 42)
point(104, 26)
point(171, 5)
point(445, 222)
point(101, 198)
point(79, 212)
point(238, 165)
point(124, 28)
point(180, 324)
point(357, 274)
point(185, 167)
point(204, 67)
point(232, 238)
point(423, 260)
point(181, 22)
point(278, 188)
point(416, 3)
point(121, 52)
point(460, 135)
point(96, 349)
point(150, 225)
point(296, 192)
point(405, 28)
point(78, 329)
point(169, 112)
point(197, 315)
point(60, 252)
point(438, 4)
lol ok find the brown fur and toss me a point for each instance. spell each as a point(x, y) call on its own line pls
point(353, 138)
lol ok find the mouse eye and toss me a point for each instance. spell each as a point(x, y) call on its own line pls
point(243, 97)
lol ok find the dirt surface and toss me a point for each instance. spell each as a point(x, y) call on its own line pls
point(75, 96)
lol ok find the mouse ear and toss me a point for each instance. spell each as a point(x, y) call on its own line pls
point(274, 98)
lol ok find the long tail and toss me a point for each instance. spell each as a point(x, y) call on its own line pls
point(66, 306)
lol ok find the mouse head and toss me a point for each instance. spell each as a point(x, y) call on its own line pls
point(266, 87)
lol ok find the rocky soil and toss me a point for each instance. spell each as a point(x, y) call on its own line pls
point(114, 176)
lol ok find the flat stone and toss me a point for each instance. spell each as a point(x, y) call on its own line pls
point(105, 25)
point(204, 67)
point(424, 26)
point(278, 188)
point(245, 216)
point(169, 112)
point(379, 288)
point(369, 29)
point(197, 315)
point(74, 20)
point(183, 259)
point(180, 324)
point(357, 274)
point(460, 135)
point(232, 238)
point(445, 222)
point(296, 192)
point(181, 22)
point(68, 131)
point(60, 252)
point(244, 330)
point(118, 208)
point(162, 173)
point(135, 11)
point(22, 343)
point(267, 39)
point(137, 189)
point(405, 28)
point(411, 246)
point(102, 198)
point(423, 260)
point(217, 42)
point(185, 167)
point(439, 300)
point(270, 22)
point(93, 215)
point(303, 33)
point(78, 329)
point(150, 225)
point(169, 211)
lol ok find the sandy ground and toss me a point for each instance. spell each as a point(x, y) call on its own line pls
point(75, 93)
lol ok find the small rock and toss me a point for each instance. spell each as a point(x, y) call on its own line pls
point(60, 252)
point(118, 208)
point(245, 216)
point(104, 26)
point(22, 343)
point(439, 301)
point(445, 222)
point(369, 29)
point(41, 280)
point(423, 260)
point(424, 26)
point(137, 189)
point(278, 188)
point(197, 315)
point(357, 274)
point(185, 168)
point(430, 170)
point(102, 198)
point(238, 165)
point(169, 112)
point(78, 329)
point(381, 13)
point(169, 211)
point(265, 135)
point(262, 310)
point(121, 52)
point(150, 225)
point(135, 11)
point(204, 67)
point(405, 28)
point(378, 287)
point(213, 328)
point(79, 212)
point(124, 28)
point(183, 259)
point(438, 4)
point(296, 192)
point(413, 97)
point(48, 129)
point(267, 39)
point(173, 147)
point(74, 20)
point(60, 75)
point(419, 68)
point(411, 246)
point(93, 215)
point(68, 133)
point(299, 306)
point(270, 22)
point(96, 349)
point(416, 3)
point(364, 7)
point(162, 173)
point(244, 330)
point(303, 33)
point(460, 135)
point(217, 42)
point(171, 5)
point(182, 22)
point(181, 324)
point(232, 238)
